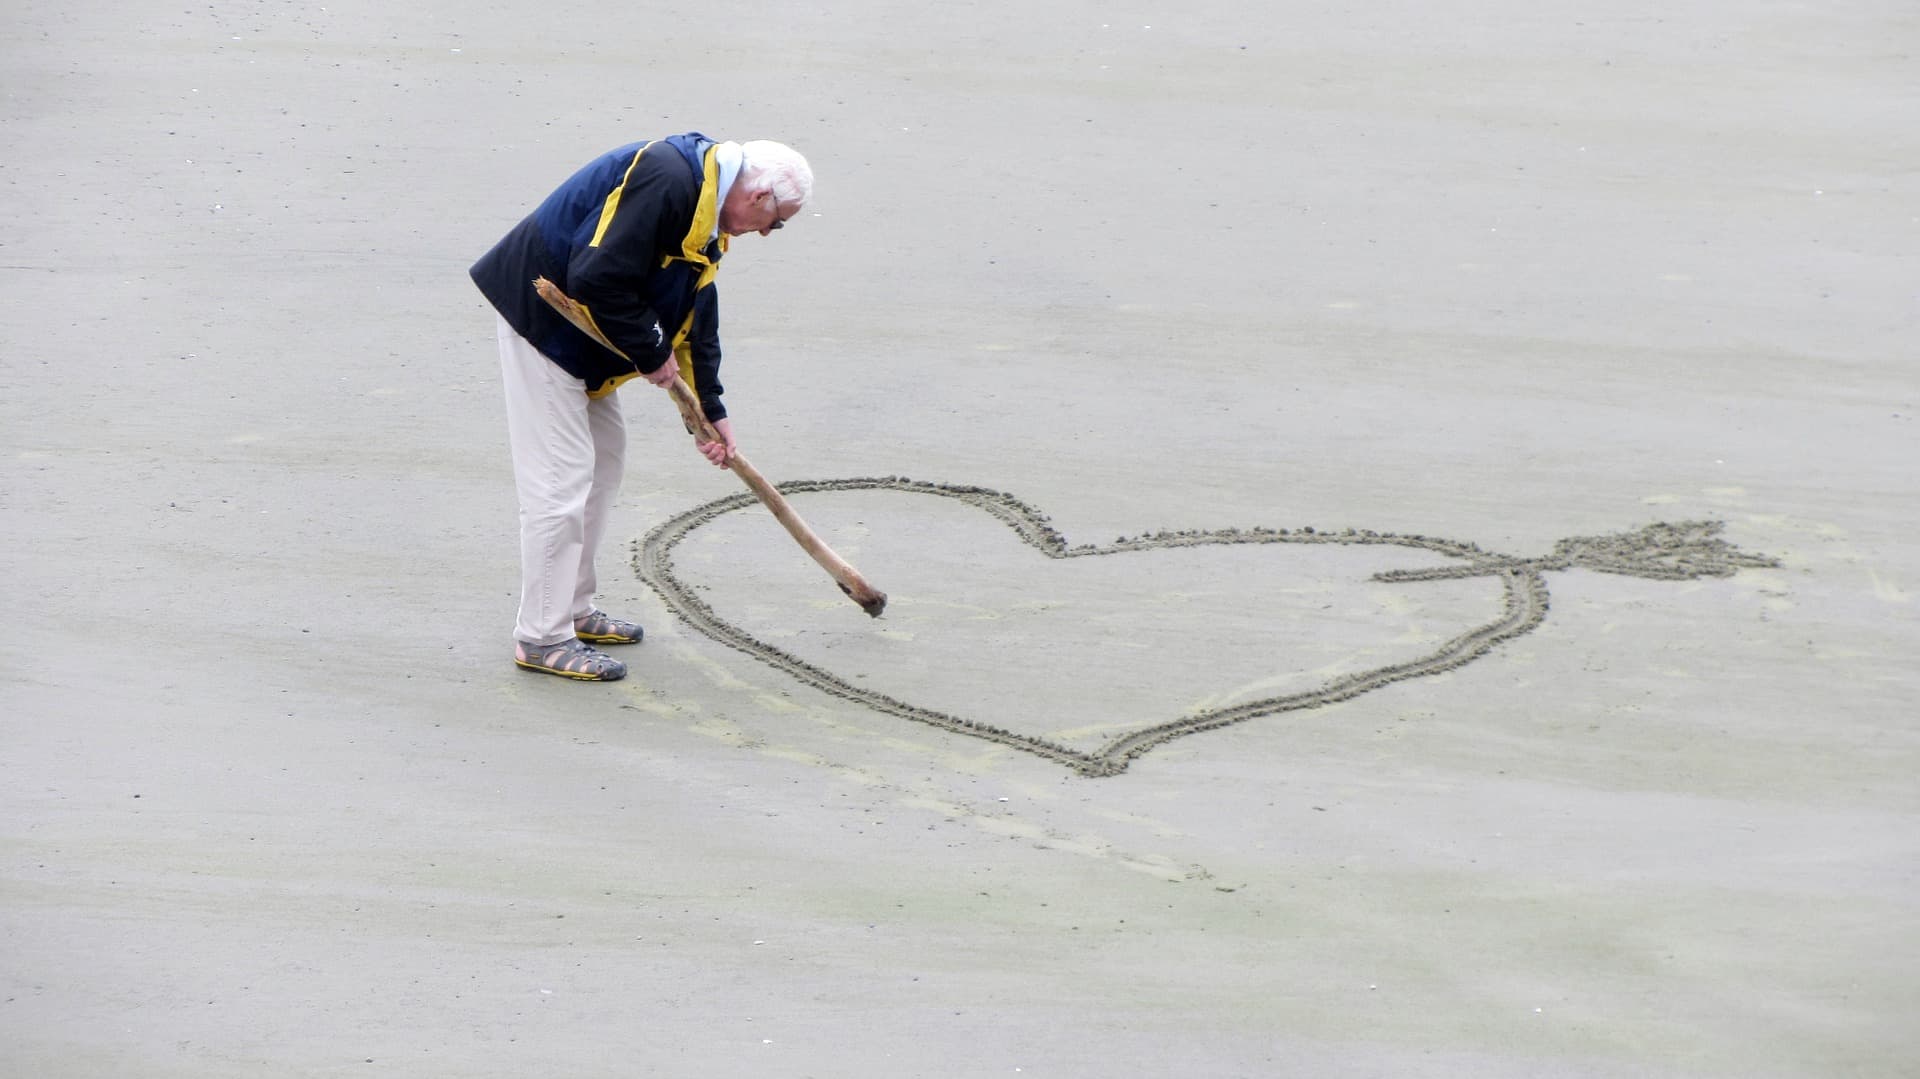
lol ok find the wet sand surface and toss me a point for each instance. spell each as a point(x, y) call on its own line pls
point(1173, 786)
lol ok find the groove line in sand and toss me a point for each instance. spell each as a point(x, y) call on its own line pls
point(1672, 551)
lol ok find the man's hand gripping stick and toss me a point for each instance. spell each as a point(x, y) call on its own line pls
point(870, 599)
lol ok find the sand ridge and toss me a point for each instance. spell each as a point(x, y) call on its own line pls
point(1662, 551)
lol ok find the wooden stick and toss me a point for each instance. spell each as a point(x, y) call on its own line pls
point(870, 599)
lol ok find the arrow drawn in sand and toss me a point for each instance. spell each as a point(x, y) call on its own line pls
point(1677, 551)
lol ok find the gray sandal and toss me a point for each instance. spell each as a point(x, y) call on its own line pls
point(569, 659)
point(602, 628)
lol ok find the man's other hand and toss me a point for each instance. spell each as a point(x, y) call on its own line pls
point(721, 452)
point(663, 376)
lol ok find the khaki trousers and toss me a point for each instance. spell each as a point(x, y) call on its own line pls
point(569, 452)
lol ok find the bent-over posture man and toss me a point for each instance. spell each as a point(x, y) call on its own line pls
point(635, 237)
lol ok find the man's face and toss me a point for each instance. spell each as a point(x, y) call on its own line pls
point(753, 210)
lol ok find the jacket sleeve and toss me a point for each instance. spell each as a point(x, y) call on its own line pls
point(703, 347)
point(607, 273)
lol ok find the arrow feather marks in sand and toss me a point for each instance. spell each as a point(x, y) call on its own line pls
point(1665, 551)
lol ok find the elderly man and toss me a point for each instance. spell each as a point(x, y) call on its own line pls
point(635, 238)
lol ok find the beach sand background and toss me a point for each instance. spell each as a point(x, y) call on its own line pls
point(273, 801)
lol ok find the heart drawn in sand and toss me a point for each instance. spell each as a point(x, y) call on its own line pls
point(1664, 551)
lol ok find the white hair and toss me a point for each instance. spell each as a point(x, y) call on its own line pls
point(780, 167)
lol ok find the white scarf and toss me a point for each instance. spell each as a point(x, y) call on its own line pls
point(727, 159)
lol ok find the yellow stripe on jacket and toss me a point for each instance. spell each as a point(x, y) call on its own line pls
point(612, 204)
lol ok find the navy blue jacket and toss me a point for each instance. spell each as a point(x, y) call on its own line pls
point(629, 237)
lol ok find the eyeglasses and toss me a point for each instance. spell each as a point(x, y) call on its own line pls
point(777, 223)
